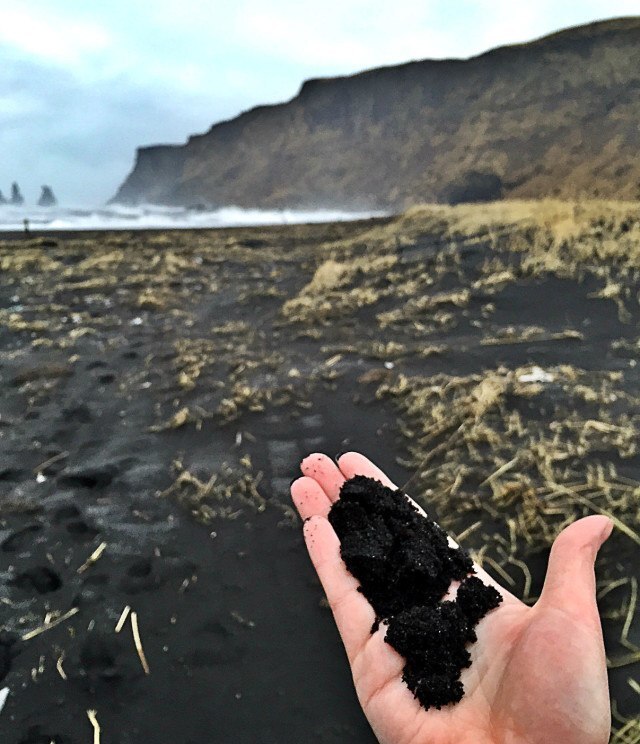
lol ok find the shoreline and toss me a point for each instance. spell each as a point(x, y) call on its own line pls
point(70, 234)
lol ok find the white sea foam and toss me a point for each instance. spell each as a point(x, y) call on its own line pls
point(150, 216)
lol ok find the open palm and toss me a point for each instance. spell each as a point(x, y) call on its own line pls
point(538, 674)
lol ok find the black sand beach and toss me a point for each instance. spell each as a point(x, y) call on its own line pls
point(161, 388)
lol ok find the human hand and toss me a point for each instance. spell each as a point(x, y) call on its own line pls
point(538, 674)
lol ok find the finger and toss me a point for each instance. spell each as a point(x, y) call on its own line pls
point(309, 498)
point(570, 583)
point(354, 616)
point(353, 463)
point(376, 668)
point(323, 470)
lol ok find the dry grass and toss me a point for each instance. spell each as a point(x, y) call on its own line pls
point(548, 230)
point(478, 418)
point(180, 418)
point(564, 221)
point(192, 357)
point(526, 334)
point(627, 734)
point(224, 495)
point(338, 287)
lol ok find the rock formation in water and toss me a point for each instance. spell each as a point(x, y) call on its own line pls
point(47, 197)
point(3, 199)
point(17, 199)
point(554, 117)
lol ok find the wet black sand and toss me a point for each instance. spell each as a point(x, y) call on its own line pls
point(96, 377)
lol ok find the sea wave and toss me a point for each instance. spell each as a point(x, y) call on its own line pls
point(152, 216)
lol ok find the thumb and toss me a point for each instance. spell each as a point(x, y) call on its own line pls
point(570, 583)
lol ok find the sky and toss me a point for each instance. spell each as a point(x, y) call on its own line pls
point(82, 84)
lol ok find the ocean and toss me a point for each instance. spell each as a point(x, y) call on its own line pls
point(149, 216)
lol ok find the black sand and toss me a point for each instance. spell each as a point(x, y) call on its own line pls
point(405, 567)
point(105, 340)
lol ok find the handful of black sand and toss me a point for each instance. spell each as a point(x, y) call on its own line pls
point(405, 565)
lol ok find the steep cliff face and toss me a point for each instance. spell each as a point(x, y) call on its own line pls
point(558, 116)
point(156, 170)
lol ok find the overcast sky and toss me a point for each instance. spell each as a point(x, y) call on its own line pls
point(82, 84)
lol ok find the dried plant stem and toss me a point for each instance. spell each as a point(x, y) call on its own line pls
point(96, 726)
point(138, 642)
point(594, 507)
point(123, 619)
point(61, 671)
point(51, 624)
point(633, 600)
point(50, 461)
point(95, 556)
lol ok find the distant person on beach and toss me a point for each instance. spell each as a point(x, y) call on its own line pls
point(538, 674)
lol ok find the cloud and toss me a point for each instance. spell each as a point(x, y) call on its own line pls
point(53, 37)
point(80, 138)
point(343, 36)
point(17, 106)
point(501, 22)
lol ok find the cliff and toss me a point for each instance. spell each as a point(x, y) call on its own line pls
point(556, 116)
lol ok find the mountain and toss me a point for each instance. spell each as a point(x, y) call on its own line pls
point(556, 116)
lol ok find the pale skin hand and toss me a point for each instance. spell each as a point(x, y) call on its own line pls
point(538, 674)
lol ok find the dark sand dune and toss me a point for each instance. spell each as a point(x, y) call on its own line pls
point(160, 389)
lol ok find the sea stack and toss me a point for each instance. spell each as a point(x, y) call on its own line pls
point(16, 196)
point(47, 197)
point(3, 199)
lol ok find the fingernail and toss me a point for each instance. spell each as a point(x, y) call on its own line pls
point(338, 456)
point(608, 529)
